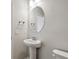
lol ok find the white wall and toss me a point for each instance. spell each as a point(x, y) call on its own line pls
point(19, 12)
point(55, 31)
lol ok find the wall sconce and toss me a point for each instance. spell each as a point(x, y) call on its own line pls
point(34, 2)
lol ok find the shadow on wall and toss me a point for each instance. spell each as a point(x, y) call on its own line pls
point(24, 54)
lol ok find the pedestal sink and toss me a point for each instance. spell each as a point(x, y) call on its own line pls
point(32, 44)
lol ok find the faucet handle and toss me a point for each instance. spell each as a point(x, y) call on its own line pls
point(34, 38)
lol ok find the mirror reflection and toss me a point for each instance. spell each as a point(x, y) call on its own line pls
point(37, 18)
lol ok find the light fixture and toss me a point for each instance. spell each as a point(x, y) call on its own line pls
point(34, 2)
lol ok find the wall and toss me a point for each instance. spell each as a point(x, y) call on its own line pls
point(55, 31)
point(19, 12)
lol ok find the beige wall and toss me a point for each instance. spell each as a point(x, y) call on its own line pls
point(54, 33)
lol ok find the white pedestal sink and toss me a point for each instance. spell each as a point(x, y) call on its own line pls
point(32, 44)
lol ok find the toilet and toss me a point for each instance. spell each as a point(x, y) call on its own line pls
point(60, 54)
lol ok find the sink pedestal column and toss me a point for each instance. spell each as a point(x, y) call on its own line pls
point(32, 52)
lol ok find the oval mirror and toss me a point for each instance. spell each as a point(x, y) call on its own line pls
point(37, 17)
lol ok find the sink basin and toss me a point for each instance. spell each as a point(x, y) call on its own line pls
point(32, 43)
